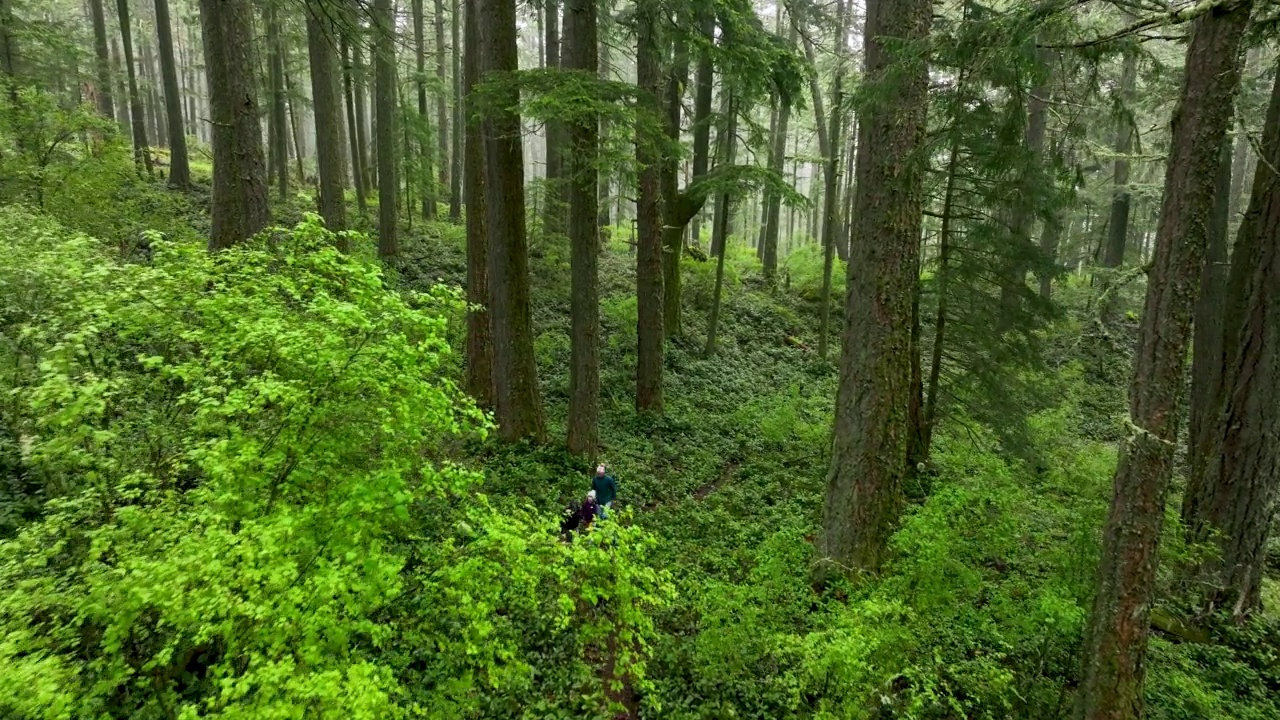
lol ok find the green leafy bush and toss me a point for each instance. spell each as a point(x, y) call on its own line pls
point(249, 509)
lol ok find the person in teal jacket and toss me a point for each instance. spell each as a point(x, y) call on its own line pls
point(606, 490)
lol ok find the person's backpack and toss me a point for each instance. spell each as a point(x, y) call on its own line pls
point(572, 518)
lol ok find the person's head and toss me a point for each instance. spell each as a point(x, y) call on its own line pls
point(599, 471)
point(591, 496)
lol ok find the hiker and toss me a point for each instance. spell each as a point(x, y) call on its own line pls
point(590, 509)
point(606, 490)
point(571, 521)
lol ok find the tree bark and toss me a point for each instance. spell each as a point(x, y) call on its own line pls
point(864, 489)
point(138, 123)
point(455, 169)
point(773, 211)
point(353, 123)
point(277, 125)
point(1207, 361)
point(8, 46)
point(479, 338)
point(1235, 501)
point(829, 146)
point(239, 198)
point(668, 186)
point(420, 82)
point(519, 403)
point(581, 56)
point(1118, 224)
point(943, 278)
point(106, 105)
point(554, 191)
point(720, 231)
point(602, 72)
point(442, 106)
point(1116, 641)
point(360, 80)
point(681, 208)
point(326, 112)
point(649, 280)
point(179, 168)
point(384, 63)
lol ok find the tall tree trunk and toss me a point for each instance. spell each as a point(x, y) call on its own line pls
point(455, 169)
point(680, 208)
point(603, 73)
point(353, 133)
point(154, 103)
point(1116, 641)
point(649, 280)
point(554, 204)
point(384, 63)
point(581, 56)
point(138, 123)
point(105, 104)
point(8, 46)
point(326, 112)
point(720, 232)
point(442, 103)
point(829, 145)
point(1241, 152)
point(424, 152)
point(1118, 225)
point(179, 168)
point(239, 202)
point(1207, 361)
point(519, 402)
point(479, 338)
point(942, 278)
point(360, 79)
point(864, 489)
point(673, 224)
point(773, 210)
point(1235, 502)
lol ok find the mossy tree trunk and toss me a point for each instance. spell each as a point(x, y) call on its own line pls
point(239, 202)
point(581, 55)
point(649, 279)
point(327, 112)
point(515, 374)
point(479, 338)
point(1115, 646)
point(864, 488)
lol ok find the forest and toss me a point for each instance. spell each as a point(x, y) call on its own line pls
point(661, 359)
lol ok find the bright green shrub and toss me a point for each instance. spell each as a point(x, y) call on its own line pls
point(248, 510)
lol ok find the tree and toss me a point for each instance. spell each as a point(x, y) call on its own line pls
point(1118, 225)
point(327, 110)
point(829, 145)
point(728, 141)
point(479, 337)
point(179, 169)
point(864, 487)
point(103, 65)
point(455, 172)
point(353, 133)
point(515, 374)
point(649, 285)
point(581, 55)
point(553, 206)
point(1232, 502)
point(1116, 641)
point(442, 104)
point(420, 58)
point(277, 126)
point(384, 64)
point(138, 123)
point(773, 208)
point(239, 202)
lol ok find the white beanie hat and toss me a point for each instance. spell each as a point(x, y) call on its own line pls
point(591, 494)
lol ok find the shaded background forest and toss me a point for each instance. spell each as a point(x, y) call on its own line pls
point(935, 347)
